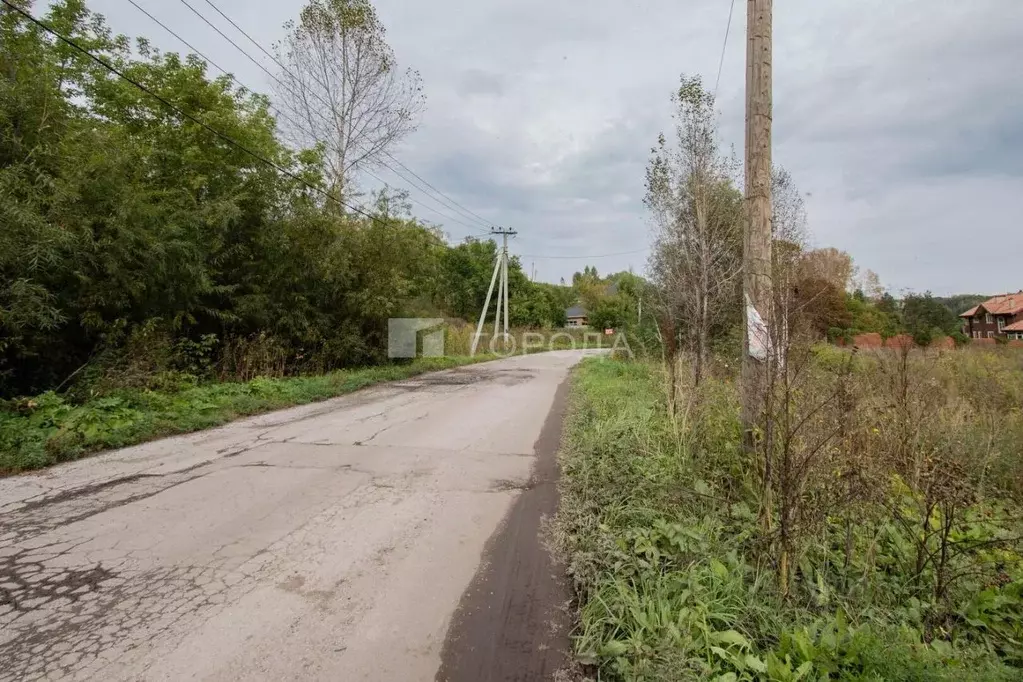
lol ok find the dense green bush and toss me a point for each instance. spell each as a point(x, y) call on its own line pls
point(135, 242)
point(48, 429)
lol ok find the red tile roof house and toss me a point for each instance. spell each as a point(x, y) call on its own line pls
point(1001, 316)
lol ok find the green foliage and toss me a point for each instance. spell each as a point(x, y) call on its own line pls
point(998, 614)
point(833, 649)
point(925, 316)
point(48, 429)
point(464, 276)
point(822, 304)
point(960, 338)
point(465, 273)
point(617, 302)
point(610, 312)
point(960, 303)
point(135, 243)
point(867, 317)
point(659, 526)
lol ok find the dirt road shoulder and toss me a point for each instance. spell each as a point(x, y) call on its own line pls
point(513, 622)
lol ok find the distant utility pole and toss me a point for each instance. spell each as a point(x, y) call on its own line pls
point(757, 286)
point(500, 269)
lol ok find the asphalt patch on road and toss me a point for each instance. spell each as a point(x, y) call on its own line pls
point(464, 377)
point(513, 621)
point(65, 508)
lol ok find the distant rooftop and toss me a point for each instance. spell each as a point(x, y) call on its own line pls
point(1003, 304)
point(575, 311)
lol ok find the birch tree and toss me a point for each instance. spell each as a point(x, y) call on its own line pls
point(342, 88)
point(789, 235)
point(697, 216)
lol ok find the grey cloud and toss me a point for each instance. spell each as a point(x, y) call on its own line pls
point(479, 82)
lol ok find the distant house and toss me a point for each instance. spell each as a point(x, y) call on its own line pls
point(576, 317)
point(1014, 331)
point(997, 317)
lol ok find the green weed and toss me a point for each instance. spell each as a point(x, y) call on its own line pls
point(41, 431)
point(659, 528)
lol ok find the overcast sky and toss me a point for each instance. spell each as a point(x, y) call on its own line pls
point(901, 120)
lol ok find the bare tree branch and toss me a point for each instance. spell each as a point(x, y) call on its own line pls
point(341, 80)
point(697, 215)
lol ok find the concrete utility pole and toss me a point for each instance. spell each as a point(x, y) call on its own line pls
point(501, 277)
point(757, 284)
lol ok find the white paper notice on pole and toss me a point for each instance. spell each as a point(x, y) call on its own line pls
point(757, 333)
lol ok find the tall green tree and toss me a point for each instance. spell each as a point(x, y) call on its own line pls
point(132, 234)
point(924, 317)
point(119, 214)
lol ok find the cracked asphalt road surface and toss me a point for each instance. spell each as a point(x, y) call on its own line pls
point(331, 541)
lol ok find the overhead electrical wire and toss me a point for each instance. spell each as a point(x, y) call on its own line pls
point(278, 111)
point(284, 171)
point(442, 198)
point(247, 36)
point(603, 255)
point(474, 228)
point(228, 39)
point(112, 69)
point(189, 45)
point(721, 64)
point(206, 58)
point(471, 214)
point(475, 224)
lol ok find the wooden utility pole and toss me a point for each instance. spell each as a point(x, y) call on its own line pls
point(757, 247)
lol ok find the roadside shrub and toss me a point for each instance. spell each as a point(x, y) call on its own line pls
point(49, 428)
point(259, 355)
point(904, 556)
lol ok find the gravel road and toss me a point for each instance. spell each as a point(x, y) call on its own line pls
point(355, 539)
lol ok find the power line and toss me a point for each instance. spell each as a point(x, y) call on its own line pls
point(189, 45)
point(250, 38)
point(255, 61)
point(280, 112)
point(228, 39)
point(208, 60)
point(443, 198)
point(721, 64)
point(604, 255)
point(474, 228)
point(105, 64)
point(472, 214)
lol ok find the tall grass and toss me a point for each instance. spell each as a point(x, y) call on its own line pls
point(48, 429)
point(677, 578)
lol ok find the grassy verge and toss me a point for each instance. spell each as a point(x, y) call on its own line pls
point(658, 524)
point(47, 429)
